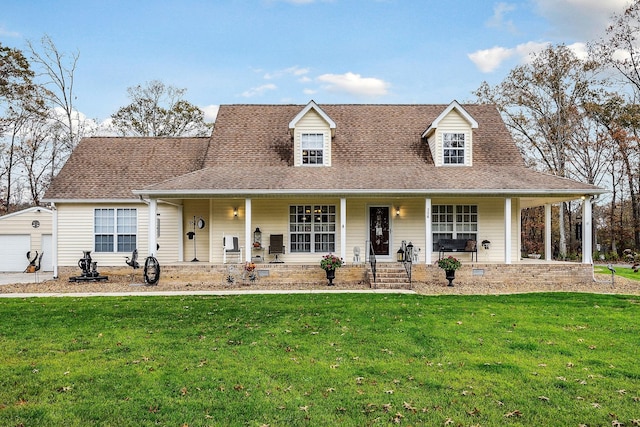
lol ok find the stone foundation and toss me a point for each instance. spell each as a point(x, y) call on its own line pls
point(558, 273)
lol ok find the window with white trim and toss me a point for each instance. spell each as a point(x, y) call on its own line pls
point(312, 228)
point(454, 222)
point(312, 145)
point(453, 148)
point(115, 230)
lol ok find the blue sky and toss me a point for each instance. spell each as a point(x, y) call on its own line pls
point(292, 51)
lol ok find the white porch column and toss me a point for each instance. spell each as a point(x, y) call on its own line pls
point(428, 234)
point(507, 230)
point(587, 232)
point(54, 238)
point(181, 233)
point(152, 238)
point(547, 232)
point(343, 228)
point(247, 230)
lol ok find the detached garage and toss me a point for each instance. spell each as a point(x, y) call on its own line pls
point(25, 231)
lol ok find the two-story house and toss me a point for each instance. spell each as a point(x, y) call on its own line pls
point(352, 180)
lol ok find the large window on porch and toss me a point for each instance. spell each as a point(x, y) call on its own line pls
point(312, 228)
point(454, 222)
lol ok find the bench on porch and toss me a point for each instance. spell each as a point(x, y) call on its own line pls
point(457, 245)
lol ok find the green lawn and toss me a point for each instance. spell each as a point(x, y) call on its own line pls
point(619, 271)
point(323, 360)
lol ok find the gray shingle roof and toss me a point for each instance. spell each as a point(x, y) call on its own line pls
point(376, 148)
point(111, 168)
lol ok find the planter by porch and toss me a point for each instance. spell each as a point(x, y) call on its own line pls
point(450, 275)
point(331, 274)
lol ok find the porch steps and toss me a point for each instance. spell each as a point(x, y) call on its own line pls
point(390, 276)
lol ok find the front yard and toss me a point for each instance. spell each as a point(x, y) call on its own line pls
point(320, 359)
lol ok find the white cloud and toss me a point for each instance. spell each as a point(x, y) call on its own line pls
point(498, 19)
point(580, 50)
point(309, 91)
point(291, 71)
point(525, 50)
point(488, 60)
point(8, 33)
point(210, 112)
point(580, 19)
point(354, 84)
point(256, 91)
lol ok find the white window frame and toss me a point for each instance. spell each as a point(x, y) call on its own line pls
point(312, 228)
point(112, 222)
point(312, 142)
point(452, 153)
point(454, 222)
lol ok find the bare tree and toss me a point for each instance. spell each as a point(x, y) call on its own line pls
point(542, 105)
point(55, 71)
point(620, 51)
point(159, 110)
point(20, 101)
point(621, 120)
point(620, 48)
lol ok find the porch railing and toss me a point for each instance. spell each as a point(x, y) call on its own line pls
point(372, 262)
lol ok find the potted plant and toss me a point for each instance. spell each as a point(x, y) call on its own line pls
point(250, 268)
point(329, 264)
point(449, 265)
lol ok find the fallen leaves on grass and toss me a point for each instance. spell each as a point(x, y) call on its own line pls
point(515, 413)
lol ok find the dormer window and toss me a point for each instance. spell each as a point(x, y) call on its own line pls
point(312, 145)
point(312, 130)
point(450, 137)
point(453, 148)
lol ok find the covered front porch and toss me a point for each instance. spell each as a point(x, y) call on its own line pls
point(354, 228)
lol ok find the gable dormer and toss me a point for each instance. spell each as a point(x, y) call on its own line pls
point(450, 137)
point(312, 130)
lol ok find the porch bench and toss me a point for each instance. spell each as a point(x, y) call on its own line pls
point(457, 245)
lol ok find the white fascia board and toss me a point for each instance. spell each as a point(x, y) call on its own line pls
point(93, 201)
point(27, 210)
point(367, 192)
point(454, 105)
point(305, 110)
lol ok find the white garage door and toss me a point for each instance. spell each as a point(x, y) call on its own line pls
point(13, 252)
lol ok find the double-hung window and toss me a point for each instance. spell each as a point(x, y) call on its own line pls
point(312, 145)
point(453, 148)
point(454, 222)
point(115, 230)
point(312, 228)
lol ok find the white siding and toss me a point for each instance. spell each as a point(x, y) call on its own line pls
point(76, 234)
point(453, 123)
point(312, 122)
point(198, 247)
point(170, 235)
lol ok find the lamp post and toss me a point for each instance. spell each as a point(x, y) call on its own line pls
point(408, 253)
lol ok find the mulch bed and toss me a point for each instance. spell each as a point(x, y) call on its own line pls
point(124, 283)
